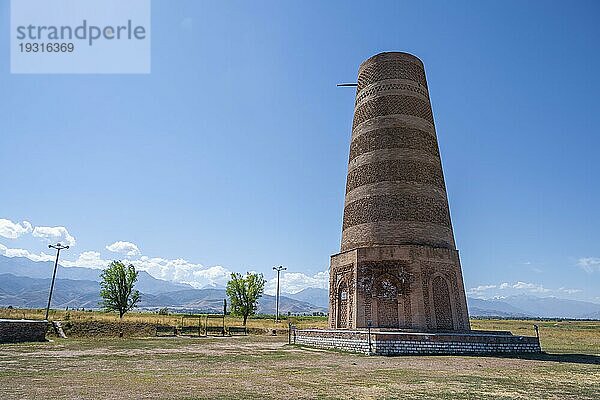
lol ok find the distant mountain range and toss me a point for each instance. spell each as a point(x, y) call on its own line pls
point(316, 296)
point(533, 307)
point(25, 283)
point(20, 266)
point(522, 306)
point(25, 292)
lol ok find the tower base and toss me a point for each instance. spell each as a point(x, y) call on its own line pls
point(397, 287)
point(390, 343)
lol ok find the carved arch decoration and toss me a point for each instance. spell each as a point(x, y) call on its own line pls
point(386, 295)
point(370, 274)
point(341, 297)
point(342, 305)
point(429, 271)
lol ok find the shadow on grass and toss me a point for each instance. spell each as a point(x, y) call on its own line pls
point(563, 358)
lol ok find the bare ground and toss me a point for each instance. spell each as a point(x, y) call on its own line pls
point(265, 367)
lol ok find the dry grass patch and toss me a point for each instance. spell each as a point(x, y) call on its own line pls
point(265, 367)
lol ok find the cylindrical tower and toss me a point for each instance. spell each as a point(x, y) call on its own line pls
point(395, 190)
point(398, 266)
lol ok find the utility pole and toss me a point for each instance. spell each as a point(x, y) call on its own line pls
point(58, 248)
point(278, 269)
point(224, 313)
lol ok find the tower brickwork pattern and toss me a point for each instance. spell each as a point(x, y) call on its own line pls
point(395, 190)
point(398, 266)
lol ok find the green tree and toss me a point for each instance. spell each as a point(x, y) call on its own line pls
point(117, 288)
point(244, 292)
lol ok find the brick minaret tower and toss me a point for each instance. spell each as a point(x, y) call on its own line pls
point(398, 266)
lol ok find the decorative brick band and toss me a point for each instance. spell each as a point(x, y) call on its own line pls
point(391, 155)
point(404, 170)
point(400, 137)
point(395, 188)
point(391, 85)
point(390, 69)
point(390, 105)
point(397, 233)
point(396, 208)
point(406, 343)
point(393, 121)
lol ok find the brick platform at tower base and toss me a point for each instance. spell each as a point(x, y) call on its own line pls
point(391, 343)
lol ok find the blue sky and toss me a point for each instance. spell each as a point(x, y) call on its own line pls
point(231, 155)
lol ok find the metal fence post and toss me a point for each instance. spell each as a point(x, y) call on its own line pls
point(294, 332)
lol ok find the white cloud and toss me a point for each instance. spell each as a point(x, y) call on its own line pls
point(589, 264)
point(54, 234)
point(197, 275)
point(505, 289)
point(569, 291)
point(293, 282)
point(216, 275)
point(178, 270)
point(13, 230)
point(7, 252)
point(479, 290)
point(127, 248)
point(87, 259)
point(530, 287)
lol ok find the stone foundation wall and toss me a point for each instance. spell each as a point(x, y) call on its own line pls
point(406, 343)
point(15, 330)
point(353, 341)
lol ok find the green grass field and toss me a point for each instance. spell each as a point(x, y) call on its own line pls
point(262, 366)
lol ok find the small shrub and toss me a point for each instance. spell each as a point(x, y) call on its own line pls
point(163, 311)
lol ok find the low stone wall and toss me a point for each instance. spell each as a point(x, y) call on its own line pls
point(108, 329)
point(22, 330)
point(354, 341)
point(405, 343)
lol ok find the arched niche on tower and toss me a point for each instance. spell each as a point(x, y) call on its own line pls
point(342, 305)
point(386, 302)
point(442, 295)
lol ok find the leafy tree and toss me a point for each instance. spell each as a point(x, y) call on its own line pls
point(244, 292)
point(117, 288)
